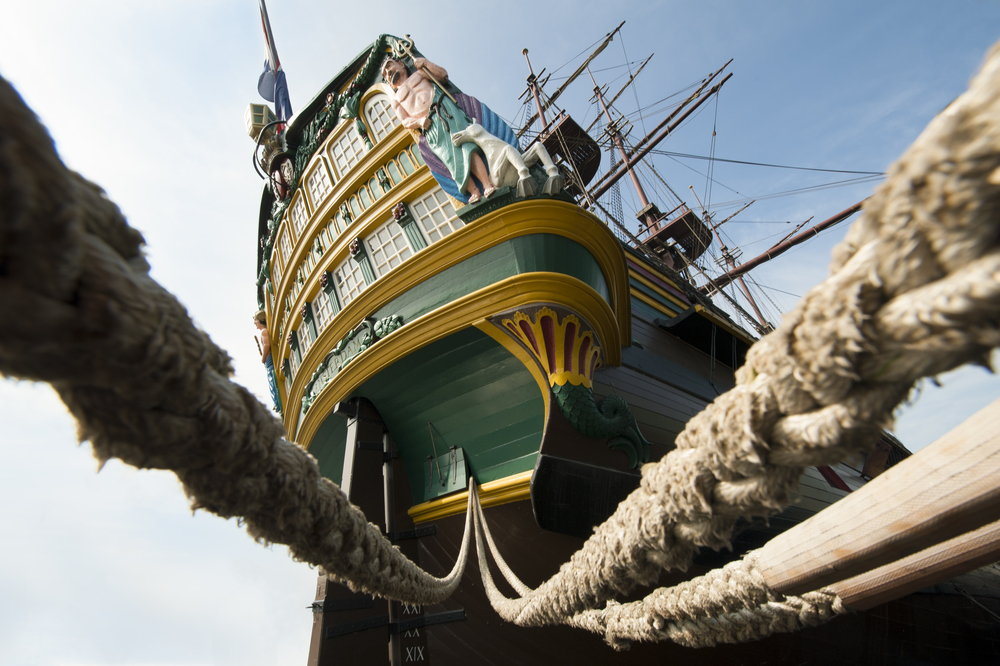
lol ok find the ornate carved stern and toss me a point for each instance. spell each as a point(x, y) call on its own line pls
point(591, 448)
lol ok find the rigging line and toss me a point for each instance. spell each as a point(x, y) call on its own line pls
point(703, 175)
point(761, 240)
point(596, 71)
point(819, 188)
point(666, 107)
point(784, 193)
point(737, 292)
point(665, 183)
point(743, 313)
point(664, 129)
point(711, 161)
point(434, 447)
point(672, 95)
point(550, 101)
point(848, 183)
point(587, 48)
point(719, 207)
point(635, 94)
point(780, 291)
point(619, 94)
point(777, 310)
point(697, 112)
point(669, 153)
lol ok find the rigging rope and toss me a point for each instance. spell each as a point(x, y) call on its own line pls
point(148, 387)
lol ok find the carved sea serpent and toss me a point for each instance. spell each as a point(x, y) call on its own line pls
point(612, 418)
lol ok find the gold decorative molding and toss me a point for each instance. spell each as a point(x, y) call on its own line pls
point(657, 289)
point(538, 216)
point(461, 313)
point(502, 491)
point(565, 347)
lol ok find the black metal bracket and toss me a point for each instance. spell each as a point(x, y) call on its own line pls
point(351, 603)
point(426, 621)
point(426, 530)
point(394, 627)
point(377, 446)
point(348, 408)
point(356, 626)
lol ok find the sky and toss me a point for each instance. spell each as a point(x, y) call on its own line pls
point(148, 98)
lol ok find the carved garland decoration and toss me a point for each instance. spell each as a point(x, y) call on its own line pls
point(358, 339)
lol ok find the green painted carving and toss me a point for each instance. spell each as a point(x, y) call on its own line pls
point(349, 100)
point(387, 325)
point(360, 254)
point(609, 418)
point(360, 338)
point(351, 106)
point(384, 180)
point(312, 136)
point(566, 348)
point(350, 111)
point(278, 209)
point(401, 214)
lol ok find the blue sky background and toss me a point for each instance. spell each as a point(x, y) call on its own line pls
point(147, 99)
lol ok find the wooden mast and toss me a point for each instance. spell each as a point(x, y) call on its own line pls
point(572, 77)
point(665, 128)
point(727, 255)
point(780, 248)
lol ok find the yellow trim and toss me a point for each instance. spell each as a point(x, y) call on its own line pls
point(514, 291)
point(314, 165)
point(659, 290)
point(343, 189)
point(520, 219)
point(653, 303)
point(521, 355)
point(360, 227)
point(722, 323)
point(502, 491)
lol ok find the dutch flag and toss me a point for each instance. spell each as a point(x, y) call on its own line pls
point(272, 85)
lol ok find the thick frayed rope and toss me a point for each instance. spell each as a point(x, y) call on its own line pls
point(727, 605)
point(148, 387)
point(914, 291)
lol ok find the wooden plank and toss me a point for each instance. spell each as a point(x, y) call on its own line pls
point(635, 400)
point(949, 488)
point(643, 384)
point(933, 565)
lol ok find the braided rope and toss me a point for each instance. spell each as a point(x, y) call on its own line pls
point(914, 290)
point(727, 605)
point(146, 386)
point(482, 528)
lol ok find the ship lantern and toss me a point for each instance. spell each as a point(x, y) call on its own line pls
point(257, 117)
